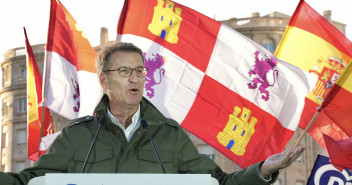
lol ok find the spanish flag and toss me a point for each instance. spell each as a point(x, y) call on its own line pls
point(338, 105)
point(34, 110)
point(312, 43)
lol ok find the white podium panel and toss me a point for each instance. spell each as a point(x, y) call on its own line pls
point(123, 179)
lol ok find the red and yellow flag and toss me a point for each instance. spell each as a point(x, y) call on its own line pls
point(338, 105)
point(34, 110)
point(315, 45)
point(340, 152)
point(69, 67)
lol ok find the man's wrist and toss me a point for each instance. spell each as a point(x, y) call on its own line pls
point(267, 177)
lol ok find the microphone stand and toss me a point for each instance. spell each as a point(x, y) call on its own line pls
point(145, 126)
point(101, 123)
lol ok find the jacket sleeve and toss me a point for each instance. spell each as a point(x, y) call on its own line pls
point(190, 161)
point(55, 160)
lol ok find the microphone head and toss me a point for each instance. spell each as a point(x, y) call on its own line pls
point(144, 124)
point(102, 120)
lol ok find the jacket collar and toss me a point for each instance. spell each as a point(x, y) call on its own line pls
point(149, 112)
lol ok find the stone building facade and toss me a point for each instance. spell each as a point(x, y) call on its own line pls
point(266, 30)
point(13, 123)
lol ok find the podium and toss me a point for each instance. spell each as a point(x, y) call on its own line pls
point(123, 179)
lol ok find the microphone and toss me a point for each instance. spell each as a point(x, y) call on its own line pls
point(145, 126)
point(102, 121)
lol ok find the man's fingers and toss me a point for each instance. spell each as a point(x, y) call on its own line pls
point(294, 153)
point(298, 151)
point(281, 160)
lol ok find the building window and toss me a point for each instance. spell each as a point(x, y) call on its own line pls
point(207, 150)
point(269, 45)
point(23, 73)
point(21, 137)
point(20, 165)
point(22, 105)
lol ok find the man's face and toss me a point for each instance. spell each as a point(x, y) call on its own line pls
point(124, 92)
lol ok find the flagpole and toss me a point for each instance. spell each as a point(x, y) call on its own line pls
point(42, 105)
point(41, 129)
point(308, 126)
point(43, 90)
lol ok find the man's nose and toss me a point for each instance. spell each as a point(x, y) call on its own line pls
point(133, 77)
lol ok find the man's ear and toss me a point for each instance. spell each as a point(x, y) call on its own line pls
point(104, 81)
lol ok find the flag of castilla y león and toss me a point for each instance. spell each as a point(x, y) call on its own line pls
point(312, 43)
point(71, 86)
point(34, 109)
point(219, 85)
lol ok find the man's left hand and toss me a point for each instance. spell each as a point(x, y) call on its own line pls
point(281, 160)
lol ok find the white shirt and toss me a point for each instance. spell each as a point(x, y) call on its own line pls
point(132, 127)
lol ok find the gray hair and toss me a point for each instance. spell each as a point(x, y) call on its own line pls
point(103, 60)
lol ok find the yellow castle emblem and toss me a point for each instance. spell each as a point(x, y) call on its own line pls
point(238, 131)
point(166, 21)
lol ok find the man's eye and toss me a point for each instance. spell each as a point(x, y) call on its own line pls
point(123, 70)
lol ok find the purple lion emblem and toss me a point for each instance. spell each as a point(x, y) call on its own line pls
point(76, 95)
point(153, 64)
point(261, 68)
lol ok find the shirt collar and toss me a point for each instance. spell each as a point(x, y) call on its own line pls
point(135, 120)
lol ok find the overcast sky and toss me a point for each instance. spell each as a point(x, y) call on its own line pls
point(91, 15)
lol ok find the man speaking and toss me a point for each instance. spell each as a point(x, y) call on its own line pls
point(117, 139)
